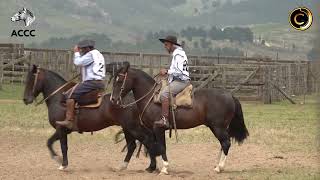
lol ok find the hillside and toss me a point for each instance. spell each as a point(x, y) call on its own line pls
point(128, 20)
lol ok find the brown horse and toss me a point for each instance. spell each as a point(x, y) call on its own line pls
point(214, 108)
point(43, 81)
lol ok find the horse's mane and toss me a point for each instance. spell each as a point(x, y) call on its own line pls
point(29, 12)
point(144, 74)
point(113, 67)
point(55, 75)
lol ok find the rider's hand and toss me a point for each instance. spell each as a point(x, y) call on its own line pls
point(163, 72)
point(75, 49)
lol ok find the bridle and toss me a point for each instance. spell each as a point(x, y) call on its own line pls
point(36, 78)
point(138, 100)
point(123, 84)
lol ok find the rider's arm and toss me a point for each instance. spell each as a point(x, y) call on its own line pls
point(82, 60)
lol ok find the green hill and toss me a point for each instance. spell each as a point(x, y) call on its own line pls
point(129, 20)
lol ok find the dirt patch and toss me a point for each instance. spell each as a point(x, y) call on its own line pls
point(23, 157)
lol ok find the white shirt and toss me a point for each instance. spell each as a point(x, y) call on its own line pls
point(179, 65)
point(92, 65)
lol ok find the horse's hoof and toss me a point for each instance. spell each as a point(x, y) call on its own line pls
point(58, 159)
point(164, 172)
point(62, 168)
point(150, 169)
point(218, 169)
point(123, 166)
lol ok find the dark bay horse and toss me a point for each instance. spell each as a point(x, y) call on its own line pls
point(44, 81)
point(214, 108)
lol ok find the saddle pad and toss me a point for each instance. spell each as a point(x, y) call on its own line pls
point(96, 105)
point(184, 98)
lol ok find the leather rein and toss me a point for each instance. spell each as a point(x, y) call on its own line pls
point(138, 100)
point(36, 75)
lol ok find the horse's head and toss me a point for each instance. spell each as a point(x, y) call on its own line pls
point(122, 84)
point(33, 84)
point(20, 15)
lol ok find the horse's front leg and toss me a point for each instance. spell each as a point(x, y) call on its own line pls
point(165, 161)
point(55, 136)
point(64, 148)
point(161, 141)
point(153, 163)
point(131, 145)
point(149, 142)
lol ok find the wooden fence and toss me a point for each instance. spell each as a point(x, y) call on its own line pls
point(248, 78)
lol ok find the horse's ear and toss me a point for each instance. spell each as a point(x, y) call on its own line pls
point(34, 68)
point(24, 9)
point(126, 66)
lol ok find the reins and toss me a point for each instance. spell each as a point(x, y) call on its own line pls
point(54, 92)
point(142, 97)
point(138, 100)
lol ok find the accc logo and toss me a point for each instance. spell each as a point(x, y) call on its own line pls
point(21, 32)
point(28, 18)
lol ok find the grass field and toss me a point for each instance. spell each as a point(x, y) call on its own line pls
point(283, 141)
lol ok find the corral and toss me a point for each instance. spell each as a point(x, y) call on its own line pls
point(283, 141)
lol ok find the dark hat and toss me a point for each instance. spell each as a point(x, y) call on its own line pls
point(171, 39)
point(86, 43)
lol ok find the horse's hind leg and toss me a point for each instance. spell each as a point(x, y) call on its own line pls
point(51, 140)
point(131, 145)
point(64, 148)
point(224, 139)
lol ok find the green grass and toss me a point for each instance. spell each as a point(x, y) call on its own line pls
point(12, 91)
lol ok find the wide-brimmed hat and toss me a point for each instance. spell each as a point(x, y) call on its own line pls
point(86, 43)
point(170, 39)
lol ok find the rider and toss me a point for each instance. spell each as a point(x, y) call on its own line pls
point(178, 76)
point(93, 71)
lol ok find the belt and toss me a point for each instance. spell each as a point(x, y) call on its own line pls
point(94, 80)
point(178, 79)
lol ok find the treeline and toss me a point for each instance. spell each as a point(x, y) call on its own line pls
point(102, 41)
point(197, 40)
point(239, 34)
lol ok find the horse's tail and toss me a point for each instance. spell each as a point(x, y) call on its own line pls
point(237, 128)
point(117, 137)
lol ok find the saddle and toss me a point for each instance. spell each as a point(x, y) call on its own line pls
point(91, 99)
point(182, 99)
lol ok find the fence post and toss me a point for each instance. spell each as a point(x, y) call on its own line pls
point(1, 71)
point(308, 78)
point(266, 87)
point(141, 60)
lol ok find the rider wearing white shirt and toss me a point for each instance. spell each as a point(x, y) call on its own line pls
point(178, 76)
point(93, 72)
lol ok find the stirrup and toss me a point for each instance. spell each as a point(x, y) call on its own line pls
point(163, 122)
